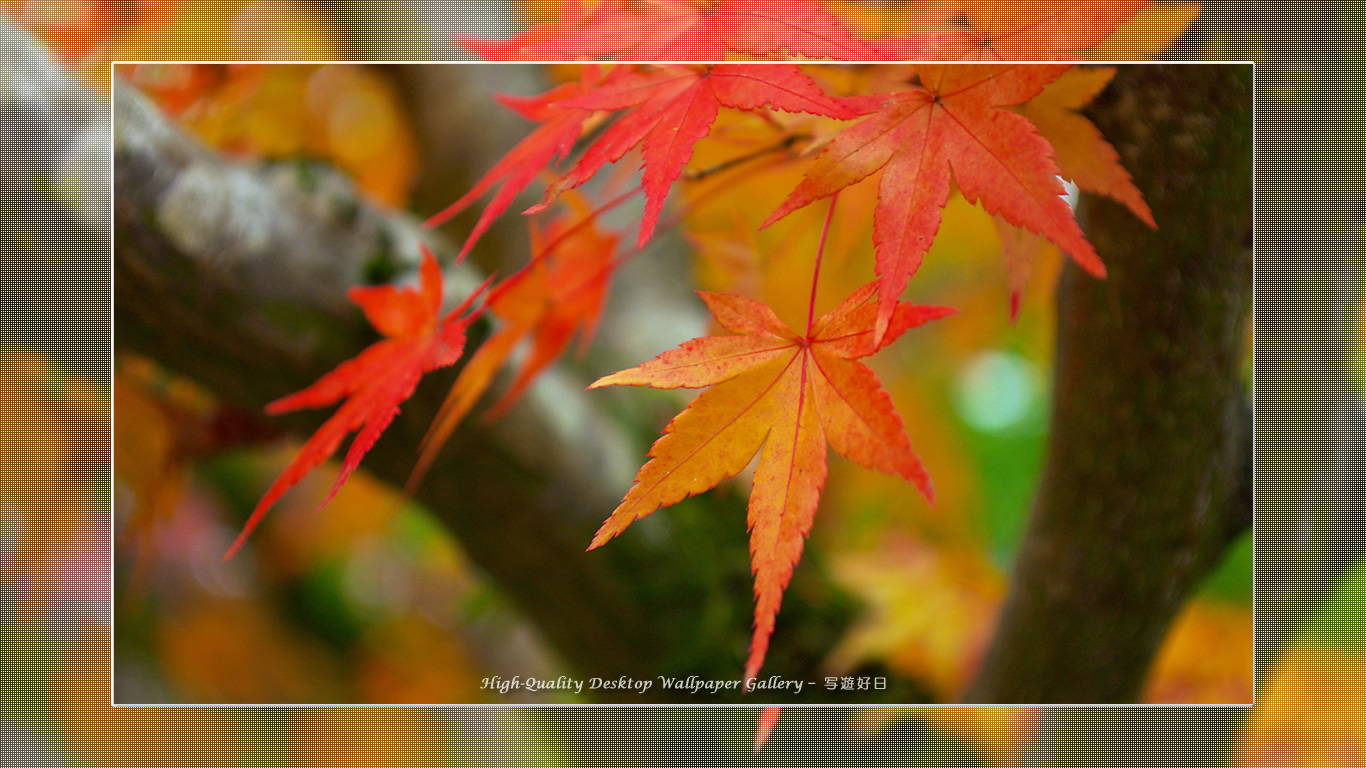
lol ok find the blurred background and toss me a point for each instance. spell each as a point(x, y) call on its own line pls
point(374, 601)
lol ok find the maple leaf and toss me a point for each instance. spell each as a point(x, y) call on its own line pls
point(953, 119)
point(680, 30)
point(559, 129)
point(375, 382)
point(674, 107)
point(786, 393)
point(991, 30)
point(559, 293)
point(1020, 248)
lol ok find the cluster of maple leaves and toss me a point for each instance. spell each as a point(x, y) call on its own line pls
point(925, 30)
point(1006, 134)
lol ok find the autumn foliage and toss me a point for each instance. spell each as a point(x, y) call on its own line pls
point(783, 394)
point(939, 30)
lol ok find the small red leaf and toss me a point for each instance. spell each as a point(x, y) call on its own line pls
point(375, 382)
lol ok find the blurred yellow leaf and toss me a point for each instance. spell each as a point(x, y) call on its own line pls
point(362, 511)
point(930, 612)
point(999, 732)
point(344, 113)
point(98, 734)
point(89, 34)
point(1309, 711)
point(148, 474)
point(1148, 33)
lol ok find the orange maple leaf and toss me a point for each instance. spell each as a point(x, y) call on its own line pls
point(559, 293)
point(1084, 156)
point(953, 119)
point(787, 393)
point(376, 381)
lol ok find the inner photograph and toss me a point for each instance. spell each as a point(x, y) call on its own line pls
point(734, 383)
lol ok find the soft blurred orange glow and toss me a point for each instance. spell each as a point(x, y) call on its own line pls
point(347, 114)
point(1206, 658)
point(89, 34)
point(412, 661)
point(1309, 711)
point(230, 651)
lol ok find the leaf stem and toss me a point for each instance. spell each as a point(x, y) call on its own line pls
point(816, 274)
point(586, 220)
point(631, 252)
point(576, 227)
point(726, 165)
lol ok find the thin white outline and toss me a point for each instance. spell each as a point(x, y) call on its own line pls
point(653, 705)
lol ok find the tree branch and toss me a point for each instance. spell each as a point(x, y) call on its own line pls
point(54, 232)
point(1144, 443)
point(235, 276)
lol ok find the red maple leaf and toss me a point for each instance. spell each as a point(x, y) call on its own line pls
point(786, 393)
point(680, 30)
point(953, 119)
point(375, 382)
point(673, 107)
point(560, 127)
point(991, 30)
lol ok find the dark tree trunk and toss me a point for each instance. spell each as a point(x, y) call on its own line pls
point(1149, 464)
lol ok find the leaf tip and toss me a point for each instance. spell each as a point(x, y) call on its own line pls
point(763, 729)
point(236, 545)
point(775, 216)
